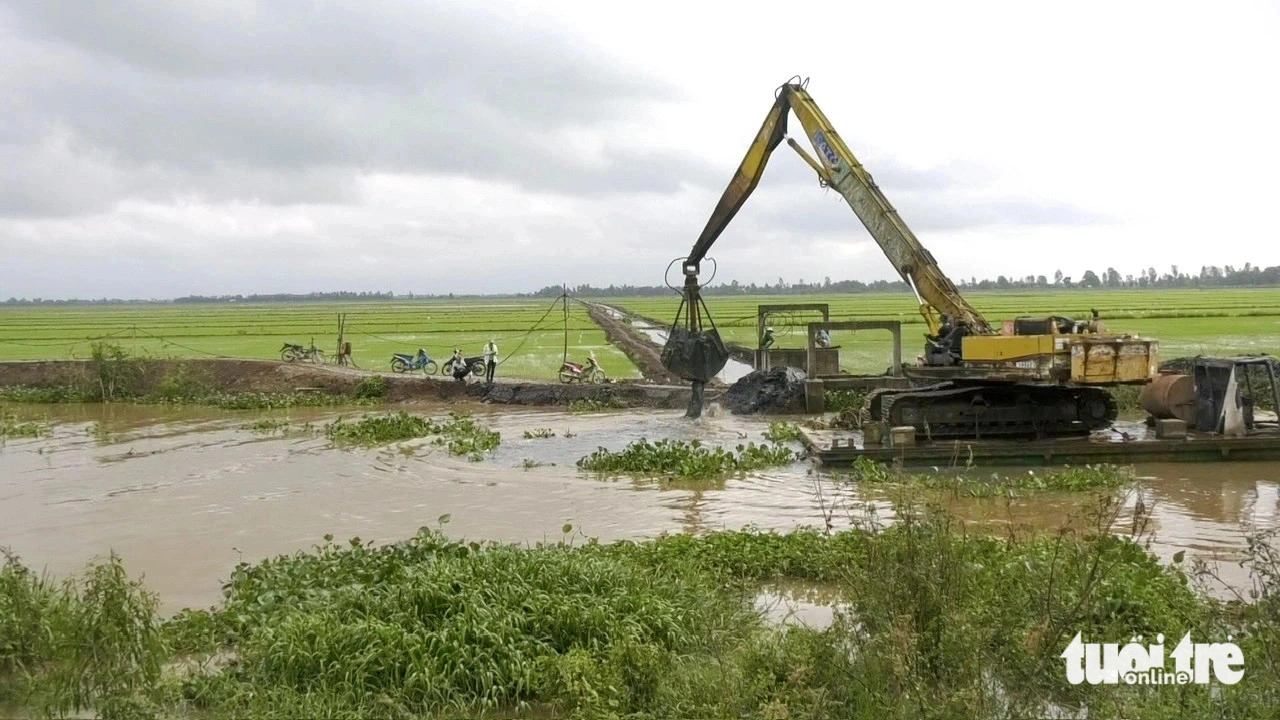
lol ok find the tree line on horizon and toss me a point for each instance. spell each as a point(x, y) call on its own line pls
point(1209, 276)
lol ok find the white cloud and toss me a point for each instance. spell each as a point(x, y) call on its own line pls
point(161, 150)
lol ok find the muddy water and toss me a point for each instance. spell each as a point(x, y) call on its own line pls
point(183, 494)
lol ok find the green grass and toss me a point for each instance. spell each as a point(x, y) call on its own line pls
point(932, 622)
point(1185, 321)
point(375, 330)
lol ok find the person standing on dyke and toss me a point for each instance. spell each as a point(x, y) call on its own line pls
point(490, 359)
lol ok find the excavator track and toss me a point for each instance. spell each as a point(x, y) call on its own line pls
point(977, 410)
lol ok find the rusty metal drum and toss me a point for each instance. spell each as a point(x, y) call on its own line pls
point(1170, 396)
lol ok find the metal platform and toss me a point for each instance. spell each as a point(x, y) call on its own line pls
point(836, 450)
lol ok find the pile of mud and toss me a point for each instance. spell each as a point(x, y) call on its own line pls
point(777, 390)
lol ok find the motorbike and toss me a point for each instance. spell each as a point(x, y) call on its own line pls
point(475, 366)
point(404, 362)
point(290, 352)
point(574, 372)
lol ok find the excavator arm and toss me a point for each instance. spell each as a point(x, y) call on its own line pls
point(838, 168)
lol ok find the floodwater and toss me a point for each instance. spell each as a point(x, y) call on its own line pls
point(182, 494)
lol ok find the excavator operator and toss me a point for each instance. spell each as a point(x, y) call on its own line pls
point(944, 347)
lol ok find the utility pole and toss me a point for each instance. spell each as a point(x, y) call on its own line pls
point(342, 324)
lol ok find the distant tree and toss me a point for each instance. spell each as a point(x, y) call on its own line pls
point(1057, 277)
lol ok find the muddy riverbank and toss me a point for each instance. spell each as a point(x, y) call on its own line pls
point(266, 376)
point(184, 493)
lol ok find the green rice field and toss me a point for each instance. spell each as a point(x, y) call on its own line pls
point(375, 330)
point(1186, 322)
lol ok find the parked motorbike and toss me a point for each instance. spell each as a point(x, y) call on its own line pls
point(574, 372)
point(293, 353)
point(404, 362)
point(475, 366)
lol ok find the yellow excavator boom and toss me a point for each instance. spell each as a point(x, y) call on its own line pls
point(838, 168)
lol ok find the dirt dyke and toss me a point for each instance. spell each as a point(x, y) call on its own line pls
point(271, 376)
point(634, 345)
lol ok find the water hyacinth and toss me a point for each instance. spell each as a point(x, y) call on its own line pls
point(781, 432)
point(1068, 479)
point(685, 459)
point(12, 426)
point(461, 434)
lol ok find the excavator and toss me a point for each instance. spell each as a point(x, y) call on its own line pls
point(1030, 377)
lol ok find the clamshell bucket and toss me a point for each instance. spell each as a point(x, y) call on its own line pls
point(696, 356)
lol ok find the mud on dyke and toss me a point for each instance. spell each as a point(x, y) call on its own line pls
point(151, 376)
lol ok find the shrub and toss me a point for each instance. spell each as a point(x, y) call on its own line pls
point(117, 373)
point(181, 384)
point(373, 387)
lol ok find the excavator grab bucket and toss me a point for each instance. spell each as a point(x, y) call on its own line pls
point(696, 356)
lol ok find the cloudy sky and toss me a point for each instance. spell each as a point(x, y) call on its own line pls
point(154, 149)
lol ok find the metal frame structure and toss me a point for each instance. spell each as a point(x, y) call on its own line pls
point(763, 311)
point(893, 326)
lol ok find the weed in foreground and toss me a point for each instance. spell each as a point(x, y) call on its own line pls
point(931, 621)
point(91, 643)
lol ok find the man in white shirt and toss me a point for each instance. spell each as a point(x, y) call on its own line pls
point(490, 359)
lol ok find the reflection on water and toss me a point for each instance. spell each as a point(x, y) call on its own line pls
point(183, 494)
